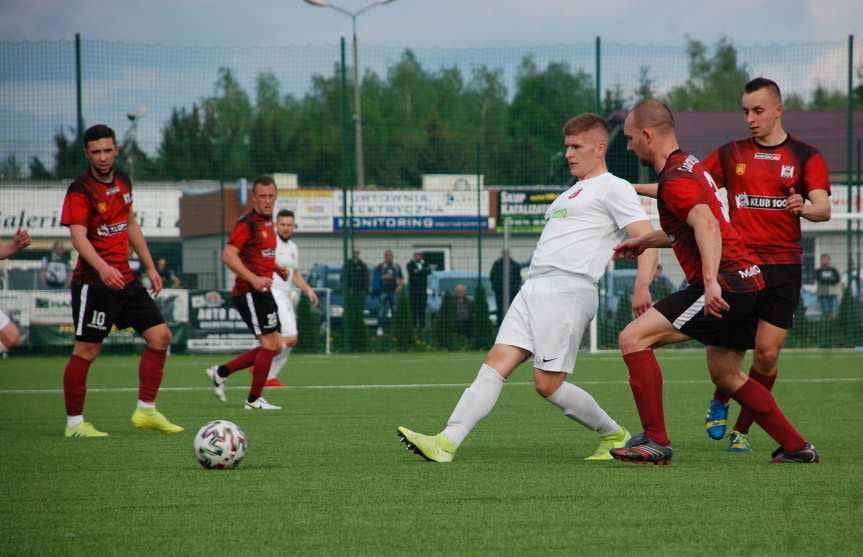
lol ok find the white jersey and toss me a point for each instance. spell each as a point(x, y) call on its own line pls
point(287, 256)
point(583, 225)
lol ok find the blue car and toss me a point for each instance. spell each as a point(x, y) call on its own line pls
point(329, 276)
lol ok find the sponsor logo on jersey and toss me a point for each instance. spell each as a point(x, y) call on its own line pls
point(268, 252)
point(575, 194)
point(746, 201)
point(113, 190)
point(767, 156)
point(127, 197)
point(749, 272)
point(688, 164)
point(558, 213)
point(787, 171)
point(740, 169)
point(101, 207)
point(112, 229)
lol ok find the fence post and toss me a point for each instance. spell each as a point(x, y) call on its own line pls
point(849, 162)
point(598, 78)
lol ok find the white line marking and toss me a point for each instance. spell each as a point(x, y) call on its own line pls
point(402, 386)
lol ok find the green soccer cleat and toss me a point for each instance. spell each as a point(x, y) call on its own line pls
point(84, 429)
point(436, 448)
point(739, 443)
point(614, 440)
point(150, 418)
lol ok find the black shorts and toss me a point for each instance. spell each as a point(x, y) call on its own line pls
point(736, 329)
point(259, 311)
point(95, 308)
point(778, 301)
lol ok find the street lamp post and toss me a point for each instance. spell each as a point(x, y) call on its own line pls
point(358, 115)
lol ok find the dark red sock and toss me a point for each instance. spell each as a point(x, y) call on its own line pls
point(720, 396)
point(150, 373)
point(75, 385)
point(244, 360)
point(260, 371)
point(745, 419)
point(758, 400)
point(645, 380)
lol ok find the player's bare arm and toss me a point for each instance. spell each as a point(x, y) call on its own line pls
point(817, 210)
point(647, 261)
point(20, 241)
point(709, 240)
point(139, 244)
point(633, 247)
point(301, 283)
point(111, 277)
point(647, 190)
point(231, 258)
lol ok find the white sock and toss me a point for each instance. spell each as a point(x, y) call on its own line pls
point(279, 362)
point(579, 405)
point(142, 404)
point(475, 404)
point(74, 421)
point(3, 348)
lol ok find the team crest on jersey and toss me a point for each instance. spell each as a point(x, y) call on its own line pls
point(787, 171)
point(101, 206)
point(767, 156)
point(740, 169)
point(264, 234)
point(127, 198)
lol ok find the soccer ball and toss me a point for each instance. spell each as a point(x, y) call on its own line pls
point(220, 444)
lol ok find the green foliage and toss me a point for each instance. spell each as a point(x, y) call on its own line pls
point(38, 170)
point(482, 330)
point(714, 83)
point(10, 169)
point(850, 320)
point(69, 158)
point(308, 328)
point(444, 327)
point(645, 84)
point(402, 331)
point(825, 99)
point(354, 331)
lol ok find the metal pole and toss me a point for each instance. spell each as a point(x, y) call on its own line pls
point(506, 267)
point(478, 220)
point(598, 78)
point(343, 176)
point(858, 235)
point(850, 147)
point(358, 114)
point(78, 91)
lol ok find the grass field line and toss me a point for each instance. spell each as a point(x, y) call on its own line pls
point(405, 386)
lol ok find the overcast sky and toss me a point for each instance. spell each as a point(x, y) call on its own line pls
point(433, 22)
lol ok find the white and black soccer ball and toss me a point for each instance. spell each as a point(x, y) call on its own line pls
point(220, 444)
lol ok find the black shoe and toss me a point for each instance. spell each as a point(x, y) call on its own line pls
point(806, 455)
point(643, 450)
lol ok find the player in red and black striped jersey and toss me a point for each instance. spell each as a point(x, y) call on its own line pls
point(769, 177)
point(251, 254)
point(718, 308)
point(98, 211)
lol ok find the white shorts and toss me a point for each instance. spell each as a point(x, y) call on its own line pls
point(4, 320)
point(287, 316)
point(548, 317)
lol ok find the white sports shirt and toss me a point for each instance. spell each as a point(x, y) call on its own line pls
point(287, 256)
point(583, 225)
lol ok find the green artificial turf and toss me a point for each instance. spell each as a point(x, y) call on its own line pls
point(327, 475)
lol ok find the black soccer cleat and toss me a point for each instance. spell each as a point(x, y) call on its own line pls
point(643, 450)
point(806, 455)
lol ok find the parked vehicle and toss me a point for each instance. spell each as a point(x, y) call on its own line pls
point(329, 276)
point(440, 282)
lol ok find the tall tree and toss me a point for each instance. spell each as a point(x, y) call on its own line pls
point(645, 84)
point(714, 82)
point(10, 169)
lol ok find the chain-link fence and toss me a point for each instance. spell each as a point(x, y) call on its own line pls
point(460, 152)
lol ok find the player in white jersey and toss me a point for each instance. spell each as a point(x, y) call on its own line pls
point(549, 314)
point(285, 291)
point(9, 333)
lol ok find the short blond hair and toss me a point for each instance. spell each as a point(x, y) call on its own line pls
point(585, 121)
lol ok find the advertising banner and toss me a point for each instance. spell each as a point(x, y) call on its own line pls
point(411, 211)
point(215, 325)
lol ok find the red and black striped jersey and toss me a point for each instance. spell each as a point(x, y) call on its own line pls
point(103, 209)
point(759, 179)
point(684, 183)
point(255, 238)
